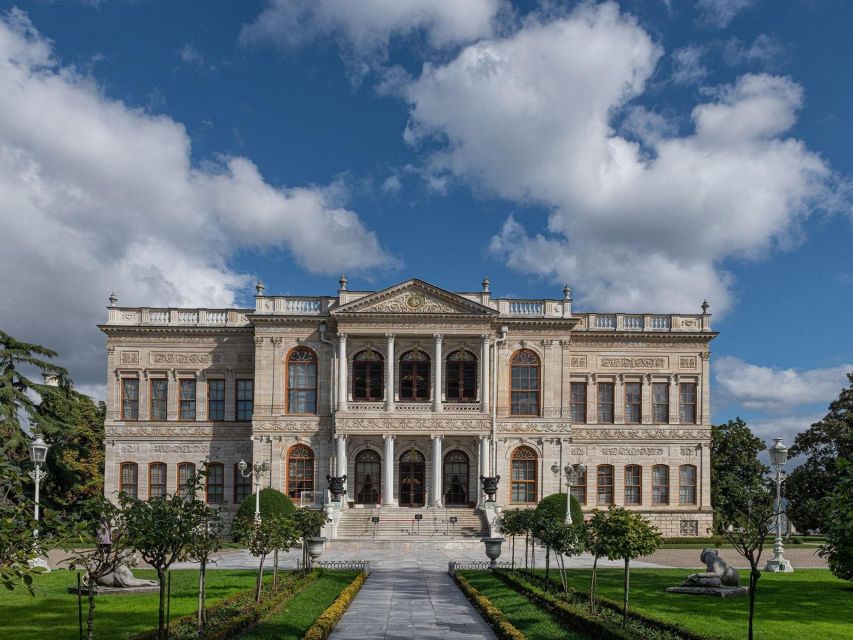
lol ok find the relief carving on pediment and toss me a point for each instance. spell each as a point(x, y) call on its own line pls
point(411, 302)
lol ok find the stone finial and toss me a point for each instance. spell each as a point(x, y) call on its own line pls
point(259, 288)
point(567, 292)
point(486, 285)
point(343, 283)
point(113, 299)
point(705, 307)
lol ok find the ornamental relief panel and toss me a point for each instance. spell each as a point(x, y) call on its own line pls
point(578, 362)
point(634, 362)
point(228, 432)
point(185, 448)
point(535, 427)
point(130, 357)
point(429, 425)
point(586, 433)
point(687, 362)
point(171, 357)
point(411, 302)
point(632, 451)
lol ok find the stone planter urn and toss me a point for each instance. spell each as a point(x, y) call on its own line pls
point(493, 550)
point(336, 486)
point(315, 547)
point(490, 486)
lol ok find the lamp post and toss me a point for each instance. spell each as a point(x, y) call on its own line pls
point(38, 455)
point(572, 476)
point(259, 470)
point(778, 456)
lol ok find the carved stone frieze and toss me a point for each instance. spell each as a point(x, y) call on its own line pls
point(410, 302)
point(185, 448)
point(182, 430)
point(130, 357)
point(535, 427)
point(631, 451)
point(687, 362)
point(412, 424)
point(597, 433)
point(688, 451)
point(634, 362)
point(578, 361)
point(577, 451)
point(172, 357)
point(277, 426)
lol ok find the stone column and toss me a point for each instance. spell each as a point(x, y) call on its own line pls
point(389, 373)
point(485, 400)
point(673, 399)
point(437, 362)
point(437, 488)
point(388, 499)
point(343, 370)
point(341, 455)
point(484, 466)
point(619, 399)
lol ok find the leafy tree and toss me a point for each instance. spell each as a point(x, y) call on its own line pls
point(96, 517)
point(745, 524)
point(528, 525)
point(15, 394)
point(308, 523)
point(273, 502)
point(206, 541)
point(553, 509)
point(262, 537)
point(838, 519)
point(512, 525)
point(565, 540)
point(18, 545)
point(625, 535)
point(734, 463)
point(596, 545)
point(823, 443)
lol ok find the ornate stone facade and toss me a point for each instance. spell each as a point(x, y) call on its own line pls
point(445, 386)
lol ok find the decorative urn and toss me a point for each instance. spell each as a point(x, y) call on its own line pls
point(336, 486)
point(493, 550)
point(490, 486)
point(315, 547)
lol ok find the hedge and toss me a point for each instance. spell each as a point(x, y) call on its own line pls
point(323, 625)
point(235, 614)
point(494, 616)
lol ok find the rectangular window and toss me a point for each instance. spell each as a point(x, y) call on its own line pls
point(605, 484)
point(660, 484)
point(633, 402)
point(523, 481)
point(633, 484)
point(245, 399)
point(128, 481)
point(687, 403)
point(687, 484)
point(159, 398)
point(578, 402)
point(215, 483)
point(579, 485)
point(605, 402)
point(660, 402)
point(187, 400)
point(186, 471)
point(156, 479)
point(130, 399)
point(216, 400)
point(242, 486)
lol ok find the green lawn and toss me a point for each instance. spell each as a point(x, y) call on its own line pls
point(532, 621)
point(807, 604)
point(52, 613)
point(299, 613)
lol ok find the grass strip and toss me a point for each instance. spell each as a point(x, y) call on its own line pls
point(323, 625)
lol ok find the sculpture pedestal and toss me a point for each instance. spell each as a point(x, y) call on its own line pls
point(778, 565)
point(114, 591)
point(721, 592)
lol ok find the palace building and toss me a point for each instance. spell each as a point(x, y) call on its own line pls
point(414, 392)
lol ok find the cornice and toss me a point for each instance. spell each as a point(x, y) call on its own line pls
point(120, 330)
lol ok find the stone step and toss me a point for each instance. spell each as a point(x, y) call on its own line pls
point(398, 523)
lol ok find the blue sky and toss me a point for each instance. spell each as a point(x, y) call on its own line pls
point(652, 154)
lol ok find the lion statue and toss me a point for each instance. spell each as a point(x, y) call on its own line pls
point(123, 577)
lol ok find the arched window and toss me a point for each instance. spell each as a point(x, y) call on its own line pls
point(215, 483)
point(604, 484)
point(300, 471)
point(156, 479)
point(186, 471)
point(579, 485)
point(129, 479)
point(455, 481)
point(461, 376)
point(633, 484)
point(687, 484)
point(524, 381)
point(368, 470)
point(660, 484)
point(368, 375)
point(301, 381)
point(414, 376)
point(412, 478)
point(523, 474)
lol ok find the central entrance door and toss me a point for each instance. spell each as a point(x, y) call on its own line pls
point(412, 478)
point(455, 478)
point(368, 474)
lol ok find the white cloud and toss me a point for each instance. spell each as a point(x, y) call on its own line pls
point(764, 51)
point(633, 226)
point(191, 56)
point(687, 65)
point(96, 195)
point(365, 29)
point(720, 13)
point(777, 390)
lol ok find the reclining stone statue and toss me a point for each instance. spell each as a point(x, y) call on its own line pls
point(123, 577)
point(719, 579)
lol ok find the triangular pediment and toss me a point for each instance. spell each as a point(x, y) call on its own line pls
point(415, 296)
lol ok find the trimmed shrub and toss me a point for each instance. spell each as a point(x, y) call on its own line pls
point(503, 628)
point(322, 626)
point(273, 502)
point(553, 507)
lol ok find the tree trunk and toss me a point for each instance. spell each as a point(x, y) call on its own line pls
point(625, 595)
point(275, 570)
point(592, 585)
point(260, 579)
point(200, 620)
point(561, 562)
point(526, 551)
point(547, 568)
point(512, 565)
point(90, 620)
point(161, 612)
point(754, 574)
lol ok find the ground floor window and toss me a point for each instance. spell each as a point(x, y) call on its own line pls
point(156, 479)
point(523, 483)
point(129, 479)
point(215, 483)
point(300, 471)
point(579, 485)
point(242, 486)
point(604, 484)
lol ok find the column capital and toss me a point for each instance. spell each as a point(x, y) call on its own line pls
point(438, 337)
point(485, 337)
point(388, 436)
point(437, 436)
point(390, 336)
point(340, 436)
point(342, 337)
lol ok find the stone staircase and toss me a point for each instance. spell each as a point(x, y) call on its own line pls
point(398, 524)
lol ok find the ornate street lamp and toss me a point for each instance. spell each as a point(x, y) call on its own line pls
point(778, 456)
point(573, 474)
point(38, 455)
point(259, 470)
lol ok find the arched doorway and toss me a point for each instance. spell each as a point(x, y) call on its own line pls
point(455, 480)
point(412, 478)
point(368, 476)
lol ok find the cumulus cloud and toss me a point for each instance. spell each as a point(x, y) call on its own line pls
point(365, 29)
point(636, 223)
point(96, 195)
point(720, 13)
point(777, 390)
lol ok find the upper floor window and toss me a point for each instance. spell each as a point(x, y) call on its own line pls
point(216, 400)
point(461, 376)
point(687, 403)
point(156, 479)
point(301, 381)
point(605, 402)
point(130, 399)
point(578, 402)
point(187, 408)
point(129, 479)
point(524, 383)
point(523, 475)
point(414, 375)
point(633, 484)
point(633, 402)
point(660, 402)
point(215, 483)
point(159, 398)
point(368, 376)
point(245, 399)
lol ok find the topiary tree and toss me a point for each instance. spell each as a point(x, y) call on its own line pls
point(263, 537)
point(308, 523)
point(273, 502)
point(553, 507)
point(838, 519)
